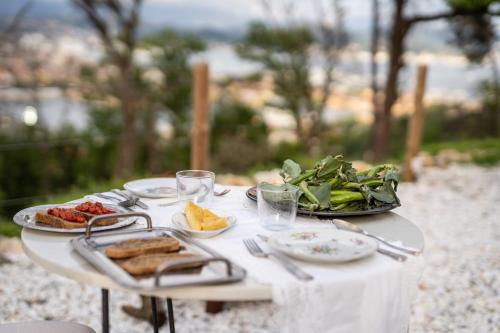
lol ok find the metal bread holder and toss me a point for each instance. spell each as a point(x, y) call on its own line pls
point(91, 246)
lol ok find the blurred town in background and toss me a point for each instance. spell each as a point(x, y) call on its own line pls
point(93, 93)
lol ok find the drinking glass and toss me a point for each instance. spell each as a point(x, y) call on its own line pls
point(195, 185)
point(277, 206)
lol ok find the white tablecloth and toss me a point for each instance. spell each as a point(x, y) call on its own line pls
point(371, 295)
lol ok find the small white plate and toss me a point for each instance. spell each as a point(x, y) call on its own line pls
point(180, 222)
point(154, 188)
point(323, 245)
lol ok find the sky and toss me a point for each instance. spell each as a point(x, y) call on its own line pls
point(228, 14)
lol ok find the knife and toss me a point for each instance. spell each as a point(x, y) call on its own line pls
point(344, 225)
point(125, 195)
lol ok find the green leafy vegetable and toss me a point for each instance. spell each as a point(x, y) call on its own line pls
point(333, 184)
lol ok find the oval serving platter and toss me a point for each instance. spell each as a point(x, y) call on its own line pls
point(251, 193)
point(26, 219)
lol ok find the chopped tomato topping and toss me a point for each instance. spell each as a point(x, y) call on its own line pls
point(67, 214)
point(95, 208)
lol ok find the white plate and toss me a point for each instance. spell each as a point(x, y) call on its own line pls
point(153, 187)
point(180, 222)
point(26, 218)
point(323, 245)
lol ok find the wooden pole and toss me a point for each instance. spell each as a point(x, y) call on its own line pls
point(414, 135)
point(200, 131)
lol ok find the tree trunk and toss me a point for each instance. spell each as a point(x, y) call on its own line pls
point(400, 28)
point(127, 144)
point(375, 38)
point(151, 138)
point(494, 117)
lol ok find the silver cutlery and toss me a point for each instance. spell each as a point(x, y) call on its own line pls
point(256, 251)
point(122, 203)
point(106, 197)
point(344, 225)
point(393, 255)
point(127, 196)
point(128, 203)
point(223, 192)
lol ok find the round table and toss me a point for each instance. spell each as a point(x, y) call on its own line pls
point(54, 252)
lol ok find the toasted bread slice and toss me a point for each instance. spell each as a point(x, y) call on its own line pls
point(57, 222)
point(100, 223)
point(136, 247)
point(148, 263)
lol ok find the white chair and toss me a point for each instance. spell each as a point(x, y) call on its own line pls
point(45, 327)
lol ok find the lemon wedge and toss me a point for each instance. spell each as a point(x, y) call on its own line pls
point(203, 219)
point(194, 215)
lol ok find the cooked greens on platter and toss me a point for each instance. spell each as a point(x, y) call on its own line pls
point(333, 184)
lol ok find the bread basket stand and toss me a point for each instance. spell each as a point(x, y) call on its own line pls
point(215, 268)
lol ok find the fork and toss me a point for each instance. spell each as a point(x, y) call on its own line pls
point(123, 203)
point(127, 196)
point(256, 251)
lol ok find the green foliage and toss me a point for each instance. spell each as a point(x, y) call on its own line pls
point(171, 51)
point(9, 229)
point(238, 137)
point(474, 33)
point(468, 5)
point(483, 151)
point(284, 53)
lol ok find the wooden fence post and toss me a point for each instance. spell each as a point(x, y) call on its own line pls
point(200, 131)
point(414, 134)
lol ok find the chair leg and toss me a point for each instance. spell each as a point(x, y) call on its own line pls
point(155, 314)
point(170, 312)
point(105, 310)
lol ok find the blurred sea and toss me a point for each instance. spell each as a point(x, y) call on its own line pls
point(450, 79)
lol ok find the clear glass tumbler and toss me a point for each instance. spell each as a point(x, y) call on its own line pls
point(196, 185)
point(277, 207)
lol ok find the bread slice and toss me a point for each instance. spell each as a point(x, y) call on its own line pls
point(136, 247)
point(148, 263)
point(100, 223)
point(57, 222)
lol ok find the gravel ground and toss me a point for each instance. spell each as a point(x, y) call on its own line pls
point(457, 208)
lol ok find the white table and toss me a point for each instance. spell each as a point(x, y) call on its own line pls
point(53, 252)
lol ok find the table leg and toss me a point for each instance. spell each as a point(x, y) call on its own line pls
point(105, 310)
point(170, 312)
point(154, 311)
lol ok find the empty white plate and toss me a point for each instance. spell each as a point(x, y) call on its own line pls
point(153, 187)
point(180, 222)
point(323, 245)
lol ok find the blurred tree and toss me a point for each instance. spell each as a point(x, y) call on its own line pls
point(169, 78)
point(285, 52)
point(238, 137)
point(469, 18)
point(116, 23)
